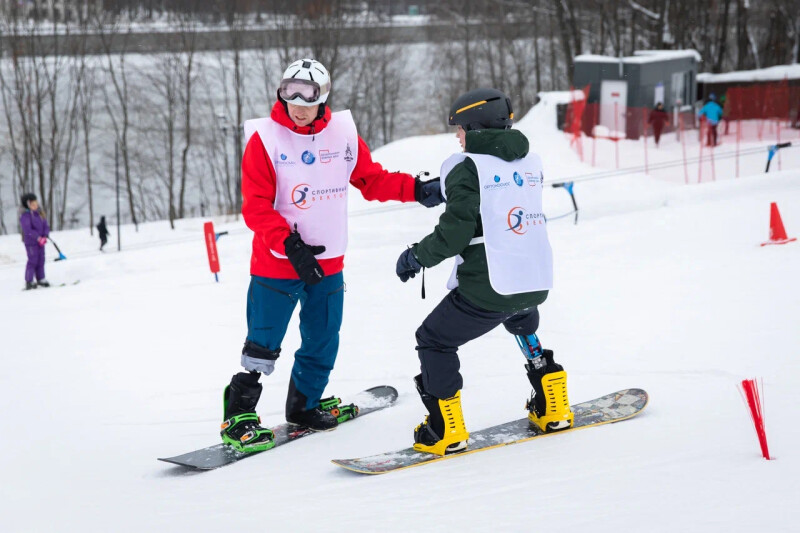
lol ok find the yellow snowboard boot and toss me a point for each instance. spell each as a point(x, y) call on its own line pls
point(549, 404)
point(443, 430)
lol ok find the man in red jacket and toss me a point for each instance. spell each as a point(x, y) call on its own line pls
point(296, 171)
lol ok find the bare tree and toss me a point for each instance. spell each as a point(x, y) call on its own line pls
point(189, 40)
point(86, 94)
point(116, 96)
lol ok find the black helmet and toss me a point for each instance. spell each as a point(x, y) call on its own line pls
point(26, 198)
point(482, 109)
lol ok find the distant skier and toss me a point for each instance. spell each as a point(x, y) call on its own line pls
point(494, 226)
point(296, 172)
point(35, 231)
point(713, 114)
point(658, 117)
point(102, 231)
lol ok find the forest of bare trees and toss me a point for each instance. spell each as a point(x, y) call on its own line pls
point(80, 100)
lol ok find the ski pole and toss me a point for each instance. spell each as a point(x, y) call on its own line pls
point(61, 256)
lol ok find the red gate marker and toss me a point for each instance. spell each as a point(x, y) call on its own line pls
point(211, 248)
point(752, 394)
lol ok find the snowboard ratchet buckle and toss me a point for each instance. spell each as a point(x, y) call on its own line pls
point(342, 413)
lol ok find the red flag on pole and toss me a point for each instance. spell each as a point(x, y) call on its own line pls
point(753, 398)
point(211, 247)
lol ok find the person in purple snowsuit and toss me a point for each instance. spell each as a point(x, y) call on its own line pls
point(35, 231)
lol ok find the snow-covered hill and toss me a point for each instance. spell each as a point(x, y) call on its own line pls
point(660, 286)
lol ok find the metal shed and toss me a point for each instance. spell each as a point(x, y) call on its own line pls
point(622, 88)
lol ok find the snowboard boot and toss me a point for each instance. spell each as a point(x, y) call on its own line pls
point(43, 283)
point(29, 285)
point(242, 426)
point(549, 405)
point(443, 430)
point(315, 419)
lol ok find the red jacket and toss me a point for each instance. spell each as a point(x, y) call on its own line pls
point(258, 197)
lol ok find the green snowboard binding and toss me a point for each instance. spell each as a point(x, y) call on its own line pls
point(241, 428)
point(343, 413)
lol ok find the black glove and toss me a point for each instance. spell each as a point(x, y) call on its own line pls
point(407, 265)
point(428, 193)
point(301, 256)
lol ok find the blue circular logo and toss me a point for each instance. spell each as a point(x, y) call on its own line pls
point(497, 179)
point(518, 179)
point(308, 158)
point(283, 157)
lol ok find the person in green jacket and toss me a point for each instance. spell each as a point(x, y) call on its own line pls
point(494, 226)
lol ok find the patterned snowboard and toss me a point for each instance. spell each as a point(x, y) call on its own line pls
point(368, 401)
point(615, 407)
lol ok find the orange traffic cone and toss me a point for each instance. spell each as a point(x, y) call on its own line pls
point(777, 234)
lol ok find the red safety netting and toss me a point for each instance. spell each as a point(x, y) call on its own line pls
point(776, 100)
point(753, 115)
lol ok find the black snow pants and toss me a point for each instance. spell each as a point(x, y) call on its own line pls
point(453, 323)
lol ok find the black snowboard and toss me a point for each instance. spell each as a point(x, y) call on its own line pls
point(368, 401)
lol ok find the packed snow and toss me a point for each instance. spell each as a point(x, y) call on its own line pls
point(640, 56)
point(776, 73)
point(661, 286)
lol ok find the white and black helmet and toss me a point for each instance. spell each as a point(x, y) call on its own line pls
point(305, 82)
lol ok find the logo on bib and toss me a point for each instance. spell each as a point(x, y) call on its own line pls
point(519, 220)
point(516, 220)
point(299, 196)
point(283, 159)
point(304, 197)
point(348, 155)
point(326, 156)
point(531, 179)
point(308, 158)
point(497, 184)
point(518, 179)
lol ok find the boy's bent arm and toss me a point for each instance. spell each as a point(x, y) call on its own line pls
point(457, 224)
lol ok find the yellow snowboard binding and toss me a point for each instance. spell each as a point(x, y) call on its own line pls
point(548, 407)
point(443, 431)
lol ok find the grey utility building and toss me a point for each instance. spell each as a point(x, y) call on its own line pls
point(622, 88)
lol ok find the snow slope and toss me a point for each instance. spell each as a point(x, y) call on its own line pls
point(660, 286)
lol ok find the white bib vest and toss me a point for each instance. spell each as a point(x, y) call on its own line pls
point(518, 253)
point(313, 176)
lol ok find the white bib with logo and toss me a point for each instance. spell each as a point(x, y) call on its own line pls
point(313, 176)
point(518, 253)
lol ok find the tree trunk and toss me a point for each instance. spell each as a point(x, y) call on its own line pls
point(565, 39)
point(722, 36)
point(742, 47)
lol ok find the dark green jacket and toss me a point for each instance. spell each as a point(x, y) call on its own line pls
point(461, 221)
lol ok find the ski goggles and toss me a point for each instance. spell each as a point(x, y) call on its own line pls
point(307, 90)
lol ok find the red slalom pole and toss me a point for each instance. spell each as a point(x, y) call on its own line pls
point(755, 404)
point(594, 132)
point(713, 170)
point(700, 156)
point(738, 138)
point(683, 145)
point(644, 135)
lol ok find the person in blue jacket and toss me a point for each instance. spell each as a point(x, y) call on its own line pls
point(35, 231)
point(712, 112)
